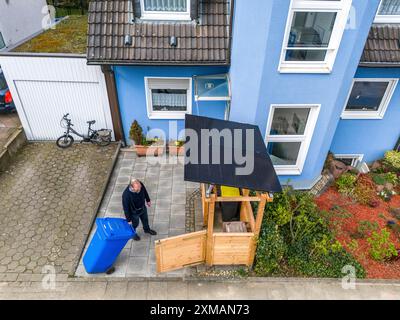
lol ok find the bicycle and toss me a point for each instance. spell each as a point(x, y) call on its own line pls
point(100, 137)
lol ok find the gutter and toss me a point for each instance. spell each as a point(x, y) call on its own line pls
point(112, 94)
point(379, 65)
point(158, 63)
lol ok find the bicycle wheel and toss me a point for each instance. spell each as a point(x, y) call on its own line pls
point(65, 142)
point(102, 138)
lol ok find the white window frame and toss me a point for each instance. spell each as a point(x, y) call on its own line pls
point(384, 18)
point(355, 157)
point(165, 15)
point(167, 83)
point(342, 8)
point(380, 113)
point(305, 139)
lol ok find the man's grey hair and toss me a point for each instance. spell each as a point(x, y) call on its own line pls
point(133, 180)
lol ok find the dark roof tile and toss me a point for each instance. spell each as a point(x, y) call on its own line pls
point(205, 42)
point(383, 45)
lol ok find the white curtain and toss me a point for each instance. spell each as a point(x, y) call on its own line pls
point(166, 5)
point(390, 7)
point(169, 101)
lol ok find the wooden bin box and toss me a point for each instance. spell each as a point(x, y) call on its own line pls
point(215, 248)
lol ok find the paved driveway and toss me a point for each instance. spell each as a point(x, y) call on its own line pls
point(48, 199)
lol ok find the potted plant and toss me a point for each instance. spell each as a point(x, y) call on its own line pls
point(176, 148)
point(144, 146)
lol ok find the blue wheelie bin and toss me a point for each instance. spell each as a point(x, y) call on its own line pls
point(111, 236)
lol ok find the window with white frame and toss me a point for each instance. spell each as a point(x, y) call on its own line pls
point(350, 159)
point(289, 132)
point(313, 34)
point(168, 98)
point(369, 98)
point(165, 9)
point(388, 12)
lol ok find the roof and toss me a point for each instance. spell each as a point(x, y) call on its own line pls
point(263, 176)
point(383, 45)
point(203, 41)
point(69, 36)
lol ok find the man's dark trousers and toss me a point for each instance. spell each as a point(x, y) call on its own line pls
point(144, 217)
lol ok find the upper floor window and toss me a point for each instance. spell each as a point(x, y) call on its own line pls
point(165, 9)
point(369, 98)
point(388, 12)
point(313, 35)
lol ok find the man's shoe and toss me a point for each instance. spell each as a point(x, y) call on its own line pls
point(151, 232)
point(136, 238)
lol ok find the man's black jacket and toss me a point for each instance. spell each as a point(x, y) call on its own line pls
point(133, 203)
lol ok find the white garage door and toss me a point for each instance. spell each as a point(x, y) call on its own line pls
point(44, 89)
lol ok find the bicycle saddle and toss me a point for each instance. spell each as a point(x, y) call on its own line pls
point(91, 122)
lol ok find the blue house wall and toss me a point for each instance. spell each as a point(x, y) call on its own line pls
point(257, 83)
point(130, 82)
point(372, 138)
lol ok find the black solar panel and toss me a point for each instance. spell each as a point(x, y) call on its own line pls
point(203, 153)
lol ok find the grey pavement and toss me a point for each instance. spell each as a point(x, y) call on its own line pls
point(164, 180)
point(254, 289)
point(48, 199)
point(9, 123)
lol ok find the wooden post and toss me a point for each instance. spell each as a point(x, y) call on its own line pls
point(205, 205)
point(260, 214)
point(210, 231)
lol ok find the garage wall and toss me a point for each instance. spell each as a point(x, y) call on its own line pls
point(46, 88)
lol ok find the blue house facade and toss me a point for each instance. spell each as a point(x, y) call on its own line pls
point(292, 67)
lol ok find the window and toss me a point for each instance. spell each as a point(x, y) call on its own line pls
point(388, 12)
point(369, 98)
point(2, 43)
point(289, 132)
point(212, 88)
point(350, 159)
point(165, 9)
point(313, 34)
point(168, 98)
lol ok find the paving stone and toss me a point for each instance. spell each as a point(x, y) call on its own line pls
point(137, 266)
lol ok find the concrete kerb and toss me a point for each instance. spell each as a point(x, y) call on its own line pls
point(11, 148)
point(98, 205)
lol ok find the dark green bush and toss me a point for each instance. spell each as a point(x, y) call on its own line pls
point(295, 234)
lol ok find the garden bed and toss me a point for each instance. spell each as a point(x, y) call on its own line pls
point(350, 219)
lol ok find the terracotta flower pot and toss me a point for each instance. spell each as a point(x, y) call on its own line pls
point(150, 151)
point(176, 151)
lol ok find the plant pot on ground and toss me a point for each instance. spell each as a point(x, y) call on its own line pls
point(144, 146)
point(176, 148)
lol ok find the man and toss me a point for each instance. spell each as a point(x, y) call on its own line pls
point(134, 200)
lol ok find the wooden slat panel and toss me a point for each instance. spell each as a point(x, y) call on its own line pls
point(232, 249)
point(181, 251)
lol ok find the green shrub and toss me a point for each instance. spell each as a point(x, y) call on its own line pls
point(383, 178)
point(136, 133)
point(270, 251)
point(295, 238)
point(346, 183)
point(381, 247)
point(392, 160)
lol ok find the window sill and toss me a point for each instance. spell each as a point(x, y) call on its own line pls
point(166, 116)
point(288, 171)
point(306, 68)
point(387, 19)
point(166, 17)
point(360, 116)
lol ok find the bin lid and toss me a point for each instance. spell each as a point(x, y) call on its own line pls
point(229, 192)
point(115, 228)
